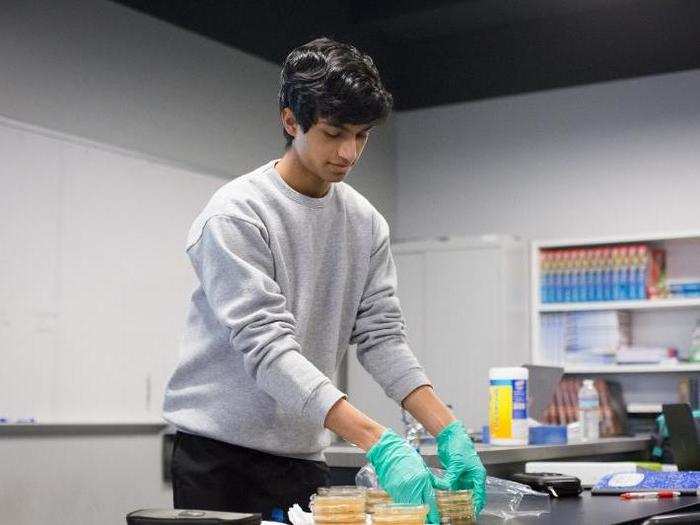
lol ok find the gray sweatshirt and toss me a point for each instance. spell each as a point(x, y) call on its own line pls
point(286, 283)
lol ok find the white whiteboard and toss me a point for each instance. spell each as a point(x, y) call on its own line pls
point(94, 279)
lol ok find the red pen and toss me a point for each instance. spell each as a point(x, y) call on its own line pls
point(661, 494)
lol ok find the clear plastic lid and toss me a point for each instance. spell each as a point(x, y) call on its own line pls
point(339, 518)
point(337, 504)
point(341, 490)
point(400, 509)
point(454, 495)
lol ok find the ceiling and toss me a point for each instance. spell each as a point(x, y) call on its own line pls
point(446, 51)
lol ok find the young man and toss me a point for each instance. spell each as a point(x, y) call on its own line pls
point(293, 266)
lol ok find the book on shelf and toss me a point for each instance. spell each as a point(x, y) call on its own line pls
point(628, 355)
point(683, 288)
point(585, 337)
point(611, 273)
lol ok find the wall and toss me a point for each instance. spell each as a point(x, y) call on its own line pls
point(97, 70)
point(102, 71)
point(613, 158)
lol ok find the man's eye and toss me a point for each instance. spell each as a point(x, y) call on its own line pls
point(331, 134)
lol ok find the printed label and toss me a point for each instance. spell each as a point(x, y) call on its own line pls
point(519, 399)
point(501, 409)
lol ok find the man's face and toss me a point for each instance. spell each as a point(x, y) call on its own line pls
point(330, 151)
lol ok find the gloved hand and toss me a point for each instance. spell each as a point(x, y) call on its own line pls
point(402, 473)
point(464, 468)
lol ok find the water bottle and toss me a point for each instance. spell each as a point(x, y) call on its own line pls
point(413, 430)
point(589, 411)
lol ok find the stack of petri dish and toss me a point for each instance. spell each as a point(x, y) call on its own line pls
point(341, 490)
point(338, 505)
point(455, 507)
point(399, 514)
point(376, 497)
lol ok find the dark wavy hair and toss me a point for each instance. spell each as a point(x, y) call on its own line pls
point(331, 80)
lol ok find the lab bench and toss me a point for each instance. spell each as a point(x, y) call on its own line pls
point(345, 460)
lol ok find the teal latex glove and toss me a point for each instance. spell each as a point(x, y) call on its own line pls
point(464, 468)
point(402, 473)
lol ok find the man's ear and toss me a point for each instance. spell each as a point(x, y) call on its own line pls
point(289, 122)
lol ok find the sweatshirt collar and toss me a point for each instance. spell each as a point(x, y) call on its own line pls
point(310, 202)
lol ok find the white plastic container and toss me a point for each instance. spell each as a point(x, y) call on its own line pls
point(508, 406)
point(589, 411)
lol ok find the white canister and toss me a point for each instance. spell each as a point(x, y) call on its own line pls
point(508, 406)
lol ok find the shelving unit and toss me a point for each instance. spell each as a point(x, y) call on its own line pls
point(678, 314)
point(662, 322)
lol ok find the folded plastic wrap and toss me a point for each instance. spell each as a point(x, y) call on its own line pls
point(504, 499)
point(509, 499)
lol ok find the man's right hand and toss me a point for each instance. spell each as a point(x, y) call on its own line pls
point(402, 472)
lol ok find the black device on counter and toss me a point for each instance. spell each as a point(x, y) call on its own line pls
point(684, 435)
point(557, 485)
point(190, 517)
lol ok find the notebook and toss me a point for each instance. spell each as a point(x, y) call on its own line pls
point(687, 482)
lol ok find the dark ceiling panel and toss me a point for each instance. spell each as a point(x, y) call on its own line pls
point(550, 53)
point(448, 51)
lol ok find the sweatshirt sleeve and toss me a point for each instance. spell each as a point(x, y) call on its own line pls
point(379, 331)
point(235, 267)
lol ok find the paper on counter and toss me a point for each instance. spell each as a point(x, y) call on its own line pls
point(298, 517)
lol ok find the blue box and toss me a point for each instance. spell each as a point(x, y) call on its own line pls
point(548, 435)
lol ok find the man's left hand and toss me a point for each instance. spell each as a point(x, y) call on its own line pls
point(464, 468)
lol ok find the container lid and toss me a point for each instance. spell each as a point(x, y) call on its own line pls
point(332, 499)
point(453, 494)
point(335, 504)
point(341, 490)
point(400, 509)
point(508, 372)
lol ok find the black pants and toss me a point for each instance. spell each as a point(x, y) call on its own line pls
point(212, 475)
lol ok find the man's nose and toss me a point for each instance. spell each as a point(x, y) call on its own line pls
point(348, 151)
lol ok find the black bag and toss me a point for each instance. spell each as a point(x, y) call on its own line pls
point(189, 517)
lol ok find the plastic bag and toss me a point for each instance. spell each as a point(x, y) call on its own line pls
point(504, 499)
point(367, 477)
point(509, 499)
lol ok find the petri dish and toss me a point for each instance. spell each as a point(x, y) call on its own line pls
point(376, 497)
point(455, 507)
point(399, 514)
point(338, 509)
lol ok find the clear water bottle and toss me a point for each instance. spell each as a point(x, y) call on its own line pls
point(413, 430)
point(589, 411)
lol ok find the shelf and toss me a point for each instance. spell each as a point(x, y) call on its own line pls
point(655, 304)
point(83, 427)
point(631, 369)
point(617, 239)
